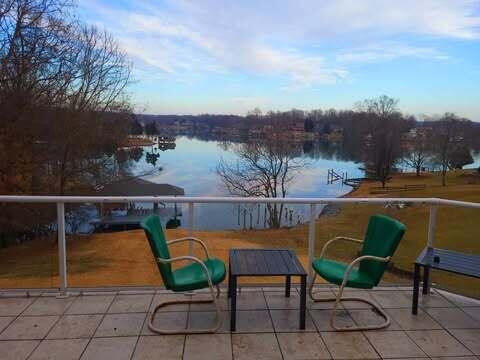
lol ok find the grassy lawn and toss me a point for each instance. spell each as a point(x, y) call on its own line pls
point(123, 258)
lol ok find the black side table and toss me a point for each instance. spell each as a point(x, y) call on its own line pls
point(445, 260)
point(265, 262)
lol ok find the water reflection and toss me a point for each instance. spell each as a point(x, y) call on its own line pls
point(192, 166)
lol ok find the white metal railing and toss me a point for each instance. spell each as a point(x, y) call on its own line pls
point(60, 201)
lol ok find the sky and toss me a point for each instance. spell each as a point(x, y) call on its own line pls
point(213, 56)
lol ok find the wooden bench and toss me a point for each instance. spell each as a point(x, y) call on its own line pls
point(387, 189)
point(445, 260)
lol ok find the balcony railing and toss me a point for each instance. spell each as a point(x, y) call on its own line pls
point(60, 202)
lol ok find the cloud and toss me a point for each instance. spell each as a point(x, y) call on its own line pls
point(290, 41)
point(389, 51)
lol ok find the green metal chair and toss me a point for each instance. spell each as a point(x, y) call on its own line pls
point(199, 274)
point(381, 240)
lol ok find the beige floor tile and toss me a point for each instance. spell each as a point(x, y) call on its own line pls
point(454, 358)
point(251, 301)
point(434, 299)
point(323, 305)
point(255, 346)
point(222, 301)
point(453, 318)
point(117, 348)
point(161, 298)
point(131, 303)
point(48, 306)
point(66, 349)
point(407, 321)
point(358, 304)
point(366, 317)
point(14, 306)
point(468, 337)
point(167, 347)
point(91, 304)
point(348, 345)
point(392, 299)
point(28, 328)
point(17, 350)
point(208, 346)
point(75, 326)
point(438, 343)
point(253, 321)
point(277, 289)
point(5, 321)
point(459, 300)
point(121, 325)
point(137, 292)
point(169, 320)
point(393, 344)
point(289, 321)
point(208, 319)
point(302, 346)
point(474, 312)
point(277, 300)
point(322, 319)
point(325, 287)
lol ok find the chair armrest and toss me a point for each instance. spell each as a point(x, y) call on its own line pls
point(189, 238)
point(357, 260)
point(188, 258)
point(345, 238)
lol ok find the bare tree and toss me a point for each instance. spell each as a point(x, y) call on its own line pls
point(262, 169)
point(448, 140)
point(386, 127)
point(418, 152)
point(98, 77)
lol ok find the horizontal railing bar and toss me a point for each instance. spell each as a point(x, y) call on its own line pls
point(458, 203)
point(229, 200)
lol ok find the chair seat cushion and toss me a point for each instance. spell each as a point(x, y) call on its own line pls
point(192, 276)
point(333, 272)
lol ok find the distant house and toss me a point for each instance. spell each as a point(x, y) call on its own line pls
point(298, 126)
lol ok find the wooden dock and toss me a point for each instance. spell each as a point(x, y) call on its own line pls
point(333, 176)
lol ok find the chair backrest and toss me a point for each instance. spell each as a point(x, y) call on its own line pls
point(153, 229)
point(381, 239)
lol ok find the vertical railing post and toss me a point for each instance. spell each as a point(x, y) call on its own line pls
point(431, 226)
point(62, 254)
point(190, 227)
point(311, 241)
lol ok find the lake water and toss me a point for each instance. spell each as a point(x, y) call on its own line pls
point(192, 166)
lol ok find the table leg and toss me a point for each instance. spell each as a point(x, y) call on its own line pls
point(416, 285)
point(229, 292)
point(233, 303)
point(288, 284)
point(426, 280)
point(303, 301)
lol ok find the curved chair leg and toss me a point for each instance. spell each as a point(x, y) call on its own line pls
point(219, 317)
point(338, 299)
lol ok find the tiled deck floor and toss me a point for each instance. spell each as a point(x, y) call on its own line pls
point(113, 326)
